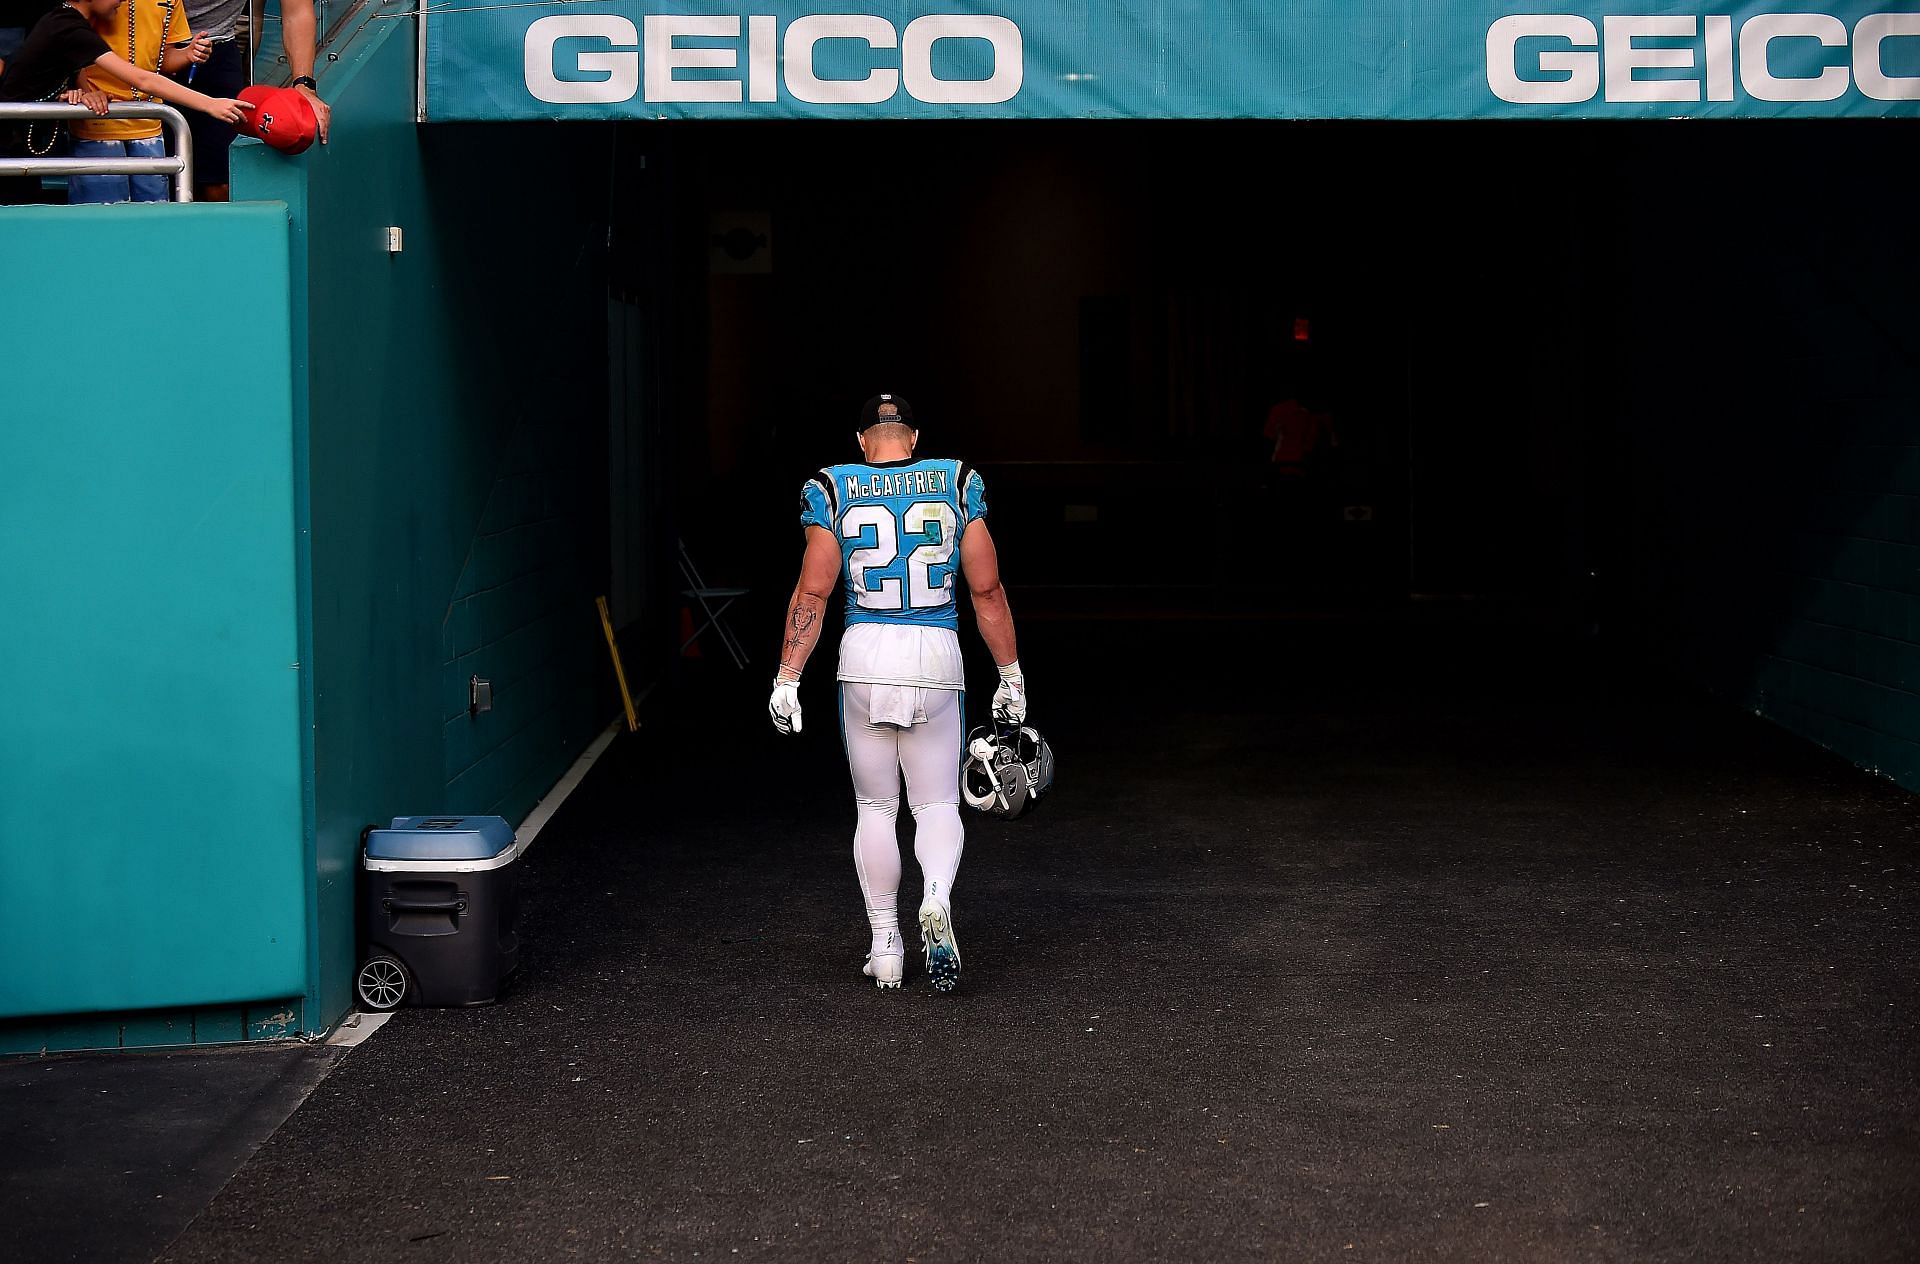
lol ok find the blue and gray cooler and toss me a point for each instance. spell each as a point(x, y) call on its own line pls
point(442, 899)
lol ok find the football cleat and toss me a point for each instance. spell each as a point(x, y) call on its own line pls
point(1006, 769)
point(885, 968)
point(941, 944)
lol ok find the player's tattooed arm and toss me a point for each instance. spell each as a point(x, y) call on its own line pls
point(980, 563)
point(803, 628)
point(819, 571)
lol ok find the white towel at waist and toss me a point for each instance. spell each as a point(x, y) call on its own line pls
point(904, 705)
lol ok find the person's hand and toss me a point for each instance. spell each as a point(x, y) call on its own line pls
point(784, 706)
point(200, 48)
point(228, 110)
point(1010, 697)
point(321, 110)
point(92, 98)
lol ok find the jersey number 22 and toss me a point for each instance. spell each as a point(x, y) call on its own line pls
point(931, 520)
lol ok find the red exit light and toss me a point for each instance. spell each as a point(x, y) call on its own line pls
point(1302, 329)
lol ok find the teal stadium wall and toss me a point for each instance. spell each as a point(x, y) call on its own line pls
point(245, 589)
point(450, 400)
point(153, 857)
point(1764, 427)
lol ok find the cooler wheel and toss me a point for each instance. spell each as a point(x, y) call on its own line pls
point(381, 983)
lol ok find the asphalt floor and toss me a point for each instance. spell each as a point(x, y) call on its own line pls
point(107, 1156)
point(1336, 941)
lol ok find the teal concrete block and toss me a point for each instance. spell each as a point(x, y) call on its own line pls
point(518, 551)
point(137, 1030)
point(533, 745)
point(71, 1034)
point(1857, 701)
point(1830, 650)
point(1797, 640)
point(142, 1031)
point(516, 706)
point(1820, 600)
point(521, 797)
point(456, 686)
point(277, 1021)
point(1901, 761)
point(552, 748)
point(223, 1025)
point(1854, 560)
point(463, 625)
point(462, 745)
point(1852, 742)
point(1886, 613)
point(1890, 518)
point(169, 571)
point(506, 501)
point(17, 1038)
point(1904, 560)
point(511, 606)
point(566, 632)
point(1898, 714)
point(1869, 657)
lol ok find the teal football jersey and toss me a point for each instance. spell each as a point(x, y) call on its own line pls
point(899, 526)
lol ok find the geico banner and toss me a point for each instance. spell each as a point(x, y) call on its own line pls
point(1172, 59)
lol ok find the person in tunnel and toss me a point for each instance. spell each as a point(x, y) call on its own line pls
point(885, 530)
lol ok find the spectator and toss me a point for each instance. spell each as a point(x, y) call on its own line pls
point(299, 32)
point(61, 45)
point(1297, 429)
point(222, 74)
point(153, 35)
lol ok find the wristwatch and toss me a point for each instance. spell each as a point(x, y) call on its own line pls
point(306, 81)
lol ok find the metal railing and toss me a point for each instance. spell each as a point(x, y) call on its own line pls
point(179, 166)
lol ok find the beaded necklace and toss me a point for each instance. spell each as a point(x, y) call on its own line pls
point(54, 134)
point(166, 25)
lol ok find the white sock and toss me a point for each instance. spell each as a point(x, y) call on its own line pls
point(938, 840)
point(886, 930)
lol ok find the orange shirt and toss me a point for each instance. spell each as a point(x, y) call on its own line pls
point(155, 21)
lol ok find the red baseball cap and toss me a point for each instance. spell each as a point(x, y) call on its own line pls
point(281, 117)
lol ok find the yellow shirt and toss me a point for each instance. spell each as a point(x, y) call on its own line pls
point(151, 19)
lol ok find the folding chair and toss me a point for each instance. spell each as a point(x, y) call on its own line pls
point(705, 595)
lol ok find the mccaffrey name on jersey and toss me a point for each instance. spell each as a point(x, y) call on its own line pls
point(933, 482)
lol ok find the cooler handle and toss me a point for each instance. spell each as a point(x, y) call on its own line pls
point(425, 906)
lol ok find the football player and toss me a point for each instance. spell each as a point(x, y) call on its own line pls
point(891, 531)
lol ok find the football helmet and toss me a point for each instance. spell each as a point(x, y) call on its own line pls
point(1006, 769)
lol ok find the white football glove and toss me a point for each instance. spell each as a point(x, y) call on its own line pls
point(784, 706)
point(1010, 698)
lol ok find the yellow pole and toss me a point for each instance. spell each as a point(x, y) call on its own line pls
point(619, 672)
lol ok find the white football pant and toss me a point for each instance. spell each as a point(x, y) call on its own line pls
point(928, 752)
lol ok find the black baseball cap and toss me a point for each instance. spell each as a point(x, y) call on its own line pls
point(870, 411)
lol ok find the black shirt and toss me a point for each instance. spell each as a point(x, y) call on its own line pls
point(59, 46)
point(24, 13)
